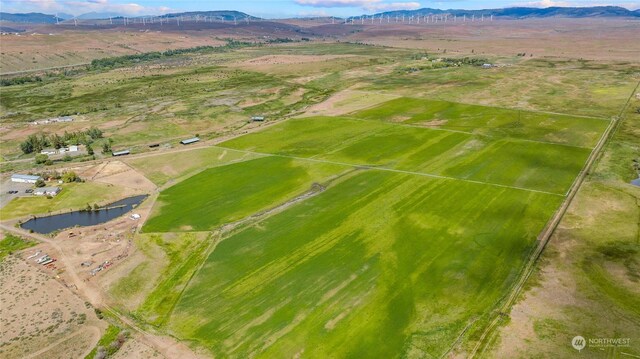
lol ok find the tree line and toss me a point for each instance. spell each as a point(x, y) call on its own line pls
point(118, 61)
point(36, 143)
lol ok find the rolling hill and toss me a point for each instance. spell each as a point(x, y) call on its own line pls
point(525, 12)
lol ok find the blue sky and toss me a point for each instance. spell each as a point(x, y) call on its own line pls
point(279, 8)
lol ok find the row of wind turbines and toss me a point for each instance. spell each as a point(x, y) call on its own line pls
point(362, 20)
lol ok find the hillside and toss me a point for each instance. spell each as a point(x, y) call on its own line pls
point(525, 12)
point(32, 17)
point(227, 15)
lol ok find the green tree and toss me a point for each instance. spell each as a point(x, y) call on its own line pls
point(41, 158)
point(89, 150)
point(40, 183)
point(69, 177)
point(106, 147)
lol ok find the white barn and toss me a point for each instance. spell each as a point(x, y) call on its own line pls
point(24, 178)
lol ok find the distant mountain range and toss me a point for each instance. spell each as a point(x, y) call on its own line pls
point(32, 17)
point(227, 15)
point(39, 18)
point(230, 15)
point(525, 12)
point(96, 15)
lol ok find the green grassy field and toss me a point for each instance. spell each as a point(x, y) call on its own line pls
point(511, 162)
point(11, 243)
point(171, 167)
point(368, 263)
point(223, 194)
point(490, 121)
point(400, 258)
point(73, 196)
point(430, 202)
point(587, 280)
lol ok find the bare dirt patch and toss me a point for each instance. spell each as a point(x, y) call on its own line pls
point(347, 101)
point(120, 174)
point(434, 123)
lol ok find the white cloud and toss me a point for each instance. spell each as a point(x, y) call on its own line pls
point(337, 3)
point(78, 7)
point(546, 3)
point(572, 3)
point(370, 5)
point(313, 13)
point(393, 6)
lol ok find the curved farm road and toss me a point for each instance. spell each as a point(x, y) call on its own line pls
point(166, 346)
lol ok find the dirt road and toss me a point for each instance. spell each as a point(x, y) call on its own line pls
point(167, 346)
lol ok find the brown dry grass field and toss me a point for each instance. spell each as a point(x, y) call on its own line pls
point(592, 39)
point(42, 47)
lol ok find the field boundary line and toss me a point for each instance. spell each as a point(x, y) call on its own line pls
point(545, 236)
point(468, 133)
point(499, 107)
point(372, 167)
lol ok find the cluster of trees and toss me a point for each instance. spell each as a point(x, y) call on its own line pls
point(441, 62)
point(66, 176)
point(473, 61)
point(20, 80)
point(111, 62)
point(106, 146)
point(35, 143)
point(43, 159)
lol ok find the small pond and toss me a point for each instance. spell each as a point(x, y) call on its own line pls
point(46, 225)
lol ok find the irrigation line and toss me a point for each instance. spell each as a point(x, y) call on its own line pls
point(548, 231)
point(371, 167)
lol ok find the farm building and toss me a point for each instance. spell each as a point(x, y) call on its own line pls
point(24, 178)
point(47, 191)
point(49, 151)
point(190, 141)
point(257, 118)
point(120, 153)
point(53, 151)
point(487, 66)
